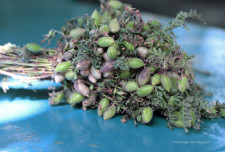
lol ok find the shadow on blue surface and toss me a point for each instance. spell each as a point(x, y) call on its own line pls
point(38, 127)
point(63, 128)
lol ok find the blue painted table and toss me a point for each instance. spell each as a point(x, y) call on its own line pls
point(29, 124)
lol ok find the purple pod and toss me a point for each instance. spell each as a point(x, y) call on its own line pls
point(143, 77)
point(108, 74)
point(92, 79)
point(67, 55)
point(81, 88)
point(96, 72)
point(59, 77)
point(107, 66)
point(85, 72)
point(83, 64)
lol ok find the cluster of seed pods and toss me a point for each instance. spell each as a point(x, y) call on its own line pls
point(143, 85)
point(82, 77)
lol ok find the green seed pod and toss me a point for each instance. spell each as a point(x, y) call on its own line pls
point(75, 98)
point(96, 73)
point(81, 88)
point(115, 45)
point(105, 41)
point(114, 26)
point(106, 16)
point(183, 83)
point(188, 72)
point(171, 101)
point(156, 79)
point(130, 86)
point(57, 99)
point(130, 26)
point(62, 67)
point(125, 75)
point(115, 4)
point(109, 112)
point(143, 77)
point(70, 75)
point(174, 79)
point(33, 48)
point(166, 82)
point(103, 104)
point(145, 90)
point(107, 66)
point(77, 32)
point(193, 118)
point(146, 115)
point(89, 101)
point(222, 113)
point(174, 83)
point(104, 29)
point(136, 63)
point(128, 45)
point(142, 52)
point(96, 16)
point(83, 64)
point(112, 53)
point(184, 60)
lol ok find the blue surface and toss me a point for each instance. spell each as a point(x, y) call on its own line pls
point(35, 85)
point(29, 124)
point(26, 21)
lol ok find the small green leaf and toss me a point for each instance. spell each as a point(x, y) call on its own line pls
point(139, 118)
point(91, 87)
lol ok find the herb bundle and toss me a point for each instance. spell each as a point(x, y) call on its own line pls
point(116, 62)
point(26, 64)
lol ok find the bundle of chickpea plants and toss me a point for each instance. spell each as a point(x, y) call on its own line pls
point(116, 62)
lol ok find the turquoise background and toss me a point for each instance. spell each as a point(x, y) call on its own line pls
point(29, 124)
